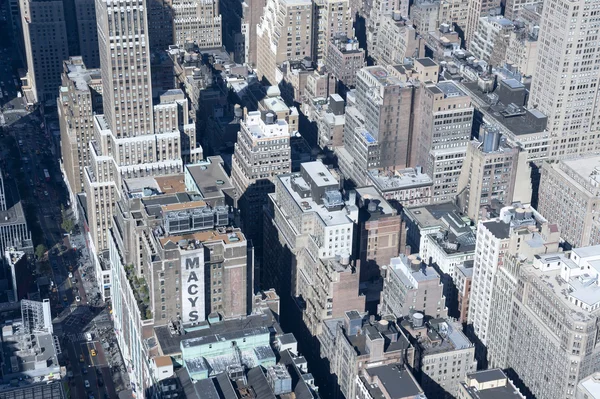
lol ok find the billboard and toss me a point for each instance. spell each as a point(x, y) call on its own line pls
point(192, 287)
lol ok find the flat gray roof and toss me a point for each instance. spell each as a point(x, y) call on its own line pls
point(396, 380)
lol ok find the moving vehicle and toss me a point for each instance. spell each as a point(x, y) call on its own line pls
point(81, 358)
point(88, 336)
point(78, 298)
point(93, 352)
point(70, 275)
point(86, 383)
point(46, 175)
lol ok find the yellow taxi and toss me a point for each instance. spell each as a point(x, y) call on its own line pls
point(93, 352)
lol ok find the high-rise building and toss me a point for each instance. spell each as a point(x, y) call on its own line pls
point(45, 47)
point(132, 138)
point(493, 171)
point(563, 83)
point(547, 306)
point(354, 343)
point(490, 39)
point(13, 225)
point(569, 196)
point(197, 21)
point(397, 40)
point(407, 286)
point(317, 226)
point(376, 133)
point(377, 10)
point(331, 19)
point(175, 261)
point(262, 152)
point(443, 134)
point(517, 235)
point(477, 9)
point(284, 33)
point(87, 32)
point(381, 232)
point(436, 341)
point(79, 100)
point(344, 59)
point(253, 11)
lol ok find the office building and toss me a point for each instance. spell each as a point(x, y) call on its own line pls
point(569, 196)
point(174, 260)
point(197, 21)
point(438, 341)
point(490, 39)
point(13, 225)
point(281, 21)
point(356, 343)
point(493, 171)
point(133, 138)
point(381, 232)
point(330, 118)
point(523, 126)
point(331, 18)
point(429, 15)
point(391, 381)
point(425, 220)
point(375, 11)
point(589, 387)
point(410, 186)
point(519, 233)
point(522, 48)
point(562, 86)
point(463, 278)
point(444, 132)
point(262, 152)
point(313, 221)
point(45, 47)
point(376, 135)
point(477, 9)
point(407, 286)
point(79, 100)
point(488, 384)
point(252, 13)
point(87, 32)
point(344, 59)
point(397, 40)
point(561, 321)
point(29, 344)
point(443, 42)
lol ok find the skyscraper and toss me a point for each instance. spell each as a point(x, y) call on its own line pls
point(132, 138)
point(197, 21)
point(45, 47)
point(284, 33)
point(565, 82)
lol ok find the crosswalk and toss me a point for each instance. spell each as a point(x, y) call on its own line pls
point(76, 337)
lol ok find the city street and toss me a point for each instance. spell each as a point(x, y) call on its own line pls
point(27, 151)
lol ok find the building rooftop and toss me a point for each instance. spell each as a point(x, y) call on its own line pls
point(411, 274)
point(487, 375)
point(591, 386)
point(582, 172)
point(395, 380)
point(170, 343)
point(337, 213)
point(210, 178)
point(438, 336)
point(405, 179)
point(430, 216)
point(230, 236)
point(35, 391)
point(450, 89)
point(265, 125)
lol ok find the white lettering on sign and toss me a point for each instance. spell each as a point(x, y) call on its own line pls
point(192, 282)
